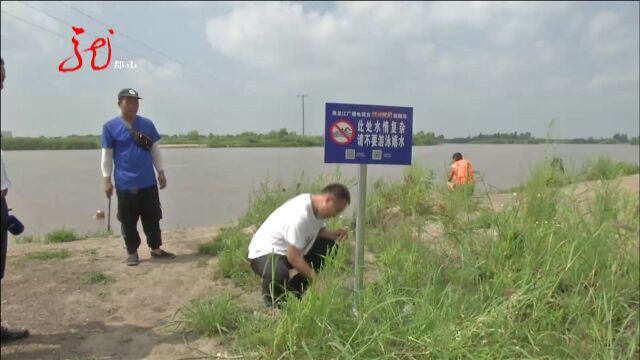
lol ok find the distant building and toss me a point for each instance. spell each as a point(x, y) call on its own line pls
point(7, 134)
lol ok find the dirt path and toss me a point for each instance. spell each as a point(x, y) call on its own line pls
point(125, 319)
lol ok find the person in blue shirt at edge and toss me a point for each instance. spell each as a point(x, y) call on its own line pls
point(130, 142)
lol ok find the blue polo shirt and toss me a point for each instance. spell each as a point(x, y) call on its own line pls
point(133, 164)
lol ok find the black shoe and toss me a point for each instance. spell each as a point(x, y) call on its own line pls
point(13, 334)
point(132, 259)
point(163, 255)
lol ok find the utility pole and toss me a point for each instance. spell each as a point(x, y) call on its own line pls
point(302, 96)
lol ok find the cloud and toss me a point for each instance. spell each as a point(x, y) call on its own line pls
point(465, 67)
point(147, 72)
point(432, 54)
point(364, 39)
point(604, 23)
point(609, 35)
point(22, 24)
point(615, 78)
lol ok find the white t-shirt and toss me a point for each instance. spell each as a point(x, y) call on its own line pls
point(292, 223)
point(5, 180)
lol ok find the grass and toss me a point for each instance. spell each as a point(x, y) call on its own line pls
point(49, 255)
point(232, 257)
point(210, 316)
point(97, 277)
point(547, 277)
point(26, 239)
point(62, 235)
point(211, 248)
point(603, 168)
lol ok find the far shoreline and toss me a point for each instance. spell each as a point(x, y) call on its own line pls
point(262, 146)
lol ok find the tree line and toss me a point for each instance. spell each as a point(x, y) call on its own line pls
point(285, 138)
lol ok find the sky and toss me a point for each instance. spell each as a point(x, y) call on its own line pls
point(564, 69)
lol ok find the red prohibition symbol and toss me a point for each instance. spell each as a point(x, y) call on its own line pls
point(342, 132)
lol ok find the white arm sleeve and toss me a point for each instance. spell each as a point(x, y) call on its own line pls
point(107, 162)
point(157, 158)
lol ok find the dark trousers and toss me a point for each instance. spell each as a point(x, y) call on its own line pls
point(141, 204)
point(274, 270)
point(4, 225)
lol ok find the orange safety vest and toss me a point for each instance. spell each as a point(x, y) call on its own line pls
point(462, 172)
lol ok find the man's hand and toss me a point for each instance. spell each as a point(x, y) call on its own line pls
point(162, 179)
point(108, 187)
point(340, 233)
point(337, 234)
point(296, 259)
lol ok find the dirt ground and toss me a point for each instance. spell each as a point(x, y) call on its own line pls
point(128, 318)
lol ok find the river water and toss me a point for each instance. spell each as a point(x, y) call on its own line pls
point(52, 189)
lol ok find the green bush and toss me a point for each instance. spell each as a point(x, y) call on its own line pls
point(62, 235)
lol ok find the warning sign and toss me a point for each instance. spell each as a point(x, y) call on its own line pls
point(342, 132)
point(368, 134)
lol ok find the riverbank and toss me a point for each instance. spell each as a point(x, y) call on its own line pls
point(445, 275)
point(284, 138)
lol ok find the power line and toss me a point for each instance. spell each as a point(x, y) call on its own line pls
point(120, 32)
point(90, 33)
point(34, 25)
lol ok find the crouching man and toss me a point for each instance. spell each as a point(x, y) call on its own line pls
point(294, 236)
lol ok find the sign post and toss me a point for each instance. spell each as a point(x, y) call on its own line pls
point(366, 134)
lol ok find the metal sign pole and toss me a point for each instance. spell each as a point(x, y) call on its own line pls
point(359, 263)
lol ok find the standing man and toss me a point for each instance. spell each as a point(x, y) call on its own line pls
point(461, 174)
point(294, 236)
point(6, 334)
point(131, 143)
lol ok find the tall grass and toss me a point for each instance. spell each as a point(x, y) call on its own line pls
point(211, 316)
point(413, 195)
point(603, 168)
point(234, 242)
point(547, 277)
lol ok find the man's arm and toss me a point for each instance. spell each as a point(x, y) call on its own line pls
point(296, 259)
point(337, 234)
point(157, 163)
point(107, 168)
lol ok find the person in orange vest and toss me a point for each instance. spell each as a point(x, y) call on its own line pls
point(461, 173)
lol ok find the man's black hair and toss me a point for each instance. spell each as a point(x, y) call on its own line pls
point(339, 191)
